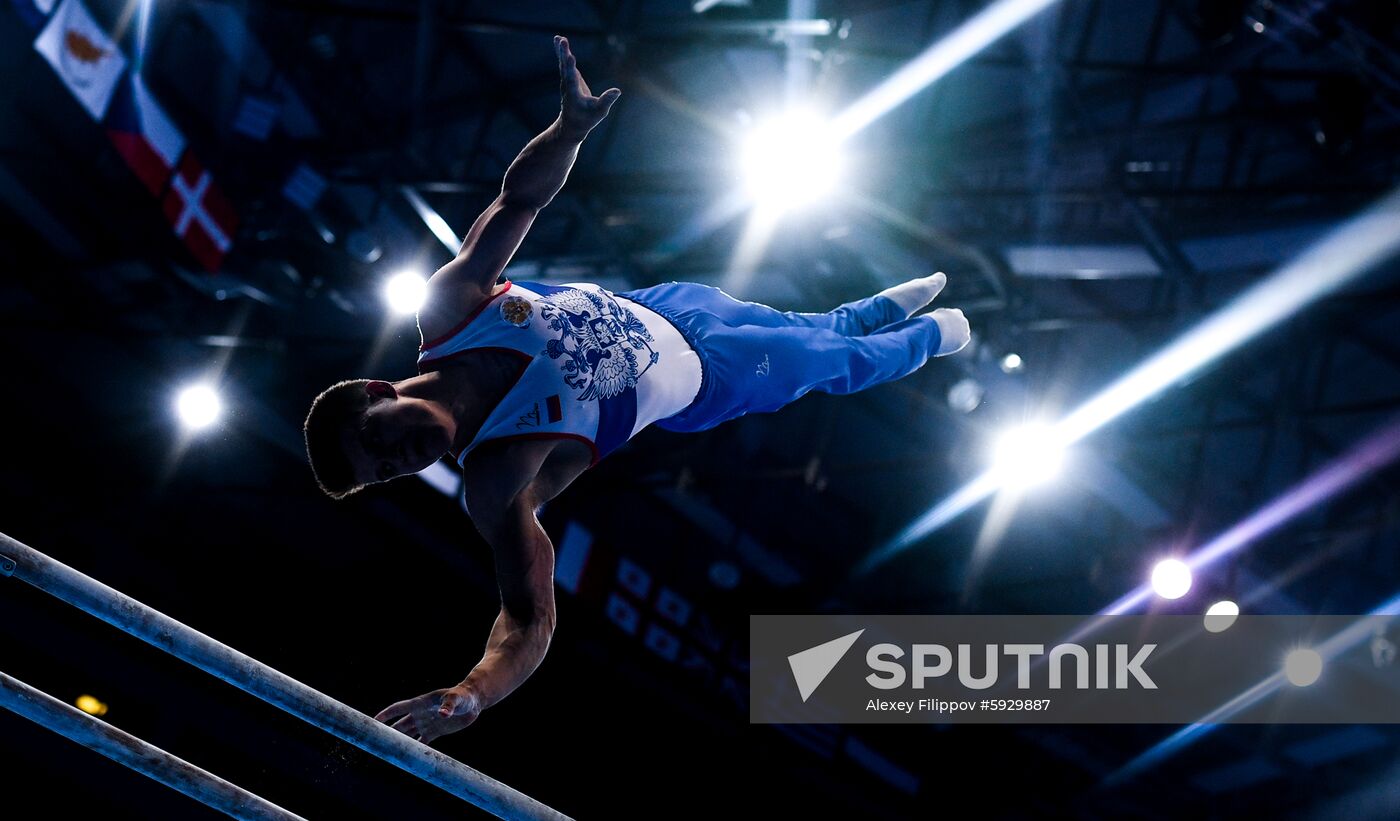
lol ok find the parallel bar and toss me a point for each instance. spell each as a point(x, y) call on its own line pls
point(277, 689)
point(125, 748)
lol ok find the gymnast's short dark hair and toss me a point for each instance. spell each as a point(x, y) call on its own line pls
point(340, 406)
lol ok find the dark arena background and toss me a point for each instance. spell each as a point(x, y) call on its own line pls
point(1171, 224)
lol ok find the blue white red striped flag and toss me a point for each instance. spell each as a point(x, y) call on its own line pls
point(143, 133)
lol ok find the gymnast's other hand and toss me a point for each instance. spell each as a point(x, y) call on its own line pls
point(579, 111)
point(433, 715)
point(954, 328)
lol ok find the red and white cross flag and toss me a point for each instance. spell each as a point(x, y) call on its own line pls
point(199, 213)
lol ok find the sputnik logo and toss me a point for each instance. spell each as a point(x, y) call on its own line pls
point(811, 667)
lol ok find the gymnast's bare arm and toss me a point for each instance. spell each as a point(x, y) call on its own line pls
point(505, 483)
point(531, 182)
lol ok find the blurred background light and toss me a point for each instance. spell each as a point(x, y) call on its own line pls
point(1029, 455)
point(1221, 615)
point(791, 161)
point(1305, 665)
point(1302, 666)
point(405, 292)
point(1362, 460)
point(965, 395)
point(1171, 578)
point(198, 406)
point(1345, 253)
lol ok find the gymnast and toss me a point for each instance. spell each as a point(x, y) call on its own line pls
point(527, 385)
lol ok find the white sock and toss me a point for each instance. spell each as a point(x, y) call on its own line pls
point(916, 293)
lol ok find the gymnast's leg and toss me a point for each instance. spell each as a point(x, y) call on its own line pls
point(772, 367)
point(754, 368)
point(856, 318)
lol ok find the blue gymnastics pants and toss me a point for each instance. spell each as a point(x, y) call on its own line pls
point(756, 359)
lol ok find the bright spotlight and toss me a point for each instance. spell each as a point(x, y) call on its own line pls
point(1302, 666)
point(793, 160)
point(198, 406)
point(1011, 363)
point(1221, 615)
point(1029, 455)
point(1171, 578)
point(1363, 459)
point(405, 292)
point(1358, 245)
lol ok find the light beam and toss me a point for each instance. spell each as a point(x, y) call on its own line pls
point(1338, 258)
point(937, 60)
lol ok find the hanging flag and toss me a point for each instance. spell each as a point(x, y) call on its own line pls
point(143, 133)
point(199, 213)
point(304, 187)
point(87, 60)
point(256, 117)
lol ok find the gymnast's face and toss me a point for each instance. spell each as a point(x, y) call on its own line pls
point(397, 435)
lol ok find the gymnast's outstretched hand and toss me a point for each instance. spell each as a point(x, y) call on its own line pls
point(432, 715)
point(955, 330)
point(579, 110)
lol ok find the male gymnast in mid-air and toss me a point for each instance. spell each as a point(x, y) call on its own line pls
point(528, 385)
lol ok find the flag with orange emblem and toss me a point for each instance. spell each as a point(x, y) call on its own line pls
point(85, 57)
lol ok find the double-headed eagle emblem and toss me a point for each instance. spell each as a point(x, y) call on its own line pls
point(602, 347)
point(516, 311)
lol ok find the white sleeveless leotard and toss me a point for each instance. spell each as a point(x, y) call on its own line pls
point(597, 367)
